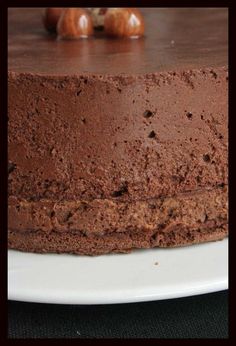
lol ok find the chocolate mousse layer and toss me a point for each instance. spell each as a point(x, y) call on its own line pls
point(112, 124)
point(130, 137)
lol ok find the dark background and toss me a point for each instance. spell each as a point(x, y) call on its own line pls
point(204, 316)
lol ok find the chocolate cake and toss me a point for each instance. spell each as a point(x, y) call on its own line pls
point(116, 144)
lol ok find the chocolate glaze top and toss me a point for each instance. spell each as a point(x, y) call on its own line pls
point(175, 39)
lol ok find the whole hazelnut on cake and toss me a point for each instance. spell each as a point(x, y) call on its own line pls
point(98, 15)
point(51, 16)
point(124, 22)
point(75, 23)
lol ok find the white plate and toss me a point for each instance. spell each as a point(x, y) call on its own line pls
point(118, 278)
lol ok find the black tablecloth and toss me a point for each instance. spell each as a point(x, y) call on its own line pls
point(204, 316)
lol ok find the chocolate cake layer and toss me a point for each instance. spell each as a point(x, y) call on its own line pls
point(103, 226)
point(112, 124)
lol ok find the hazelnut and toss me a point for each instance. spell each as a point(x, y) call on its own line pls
point(50, 18)
point(98, 15)
point(74, 23)
point(124, 22)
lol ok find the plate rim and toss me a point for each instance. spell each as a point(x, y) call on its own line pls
point(129, 296)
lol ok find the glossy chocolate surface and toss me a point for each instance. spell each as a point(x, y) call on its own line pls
point(175, 39)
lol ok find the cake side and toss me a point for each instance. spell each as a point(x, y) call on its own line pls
point(118, 144)
point(123, 137)
point(104, 226)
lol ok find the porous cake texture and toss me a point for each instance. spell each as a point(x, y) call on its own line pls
point(118, 144)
